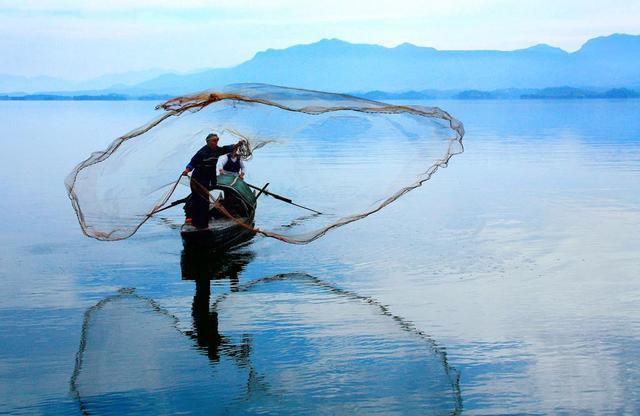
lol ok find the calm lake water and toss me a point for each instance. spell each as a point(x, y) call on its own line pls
point(509, 284)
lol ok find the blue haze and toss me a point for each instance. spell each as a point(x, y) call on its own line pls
point(334, 65)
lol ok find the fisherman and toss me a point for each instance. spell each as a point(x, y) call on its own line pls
point(232, 165)
point(203, 164)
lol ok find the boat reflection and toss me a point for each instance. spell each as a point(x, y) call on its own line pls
point(203, 266)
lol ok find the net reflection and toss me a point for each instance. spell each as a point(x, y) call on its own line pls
point(133, 359)
point(284, 344)
point(351, 354)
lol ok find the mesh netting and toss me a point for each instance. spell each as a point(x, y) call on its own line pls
point(343, 156)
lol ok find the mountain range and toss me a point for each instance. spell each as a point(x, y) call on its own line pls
point(335, 65)
point(29, 85)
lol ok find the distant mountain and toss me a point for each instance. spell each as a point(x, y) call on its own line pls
point(576, 93)
point(602, 63)
point(28, 85)
point(335, 65)
point(556, 93)
point(62, 96)
point(121, 80)
point(20, 84)
point(559, 93)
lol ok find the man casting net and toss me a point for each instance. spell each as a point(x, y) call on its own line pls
point(343, 156)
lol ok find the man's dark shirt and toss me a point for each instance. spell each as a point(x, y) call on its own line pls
point(204, 162)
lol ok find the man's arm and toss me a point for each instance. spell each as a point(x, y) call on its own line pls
point(227, 149)
point(195, 161)
point(232, 146)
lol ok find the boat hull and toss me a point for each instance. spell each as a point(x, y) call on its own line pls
point(220, 235)
point(231, 226)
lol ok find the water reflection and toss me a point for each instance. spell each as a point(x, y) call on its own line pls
point(524, 257)
point(202, 266)
point(133, 360)
point(350, 353)
point(284, 344)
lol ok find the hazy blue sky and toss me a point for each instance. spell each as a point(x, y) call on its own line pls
point(78, 39)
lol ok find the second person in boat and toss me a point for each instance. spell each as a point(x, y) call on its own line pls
point(232, 164)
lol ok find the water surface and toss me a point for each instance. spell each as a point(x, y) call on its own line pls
point(516, 269)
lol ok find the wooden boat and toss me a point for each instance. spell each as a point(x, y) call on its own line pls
point(240, 202)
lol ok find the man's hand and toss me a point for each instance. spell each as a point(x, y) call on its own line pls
point(185, 172)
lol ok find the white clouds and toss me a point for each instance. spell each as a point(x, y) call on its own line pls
point(97, 6)
point(327, 10)
point(198, 33)
point(353, 8)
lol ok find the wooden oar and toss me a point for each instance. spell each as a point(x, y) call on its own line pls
point(262, 190)
point(282, 198)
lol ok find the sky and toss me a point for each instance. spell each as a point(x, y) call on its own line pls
point(83, 39)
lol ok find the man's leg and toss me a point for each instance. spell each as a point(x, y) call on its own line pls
point(199, 208)
point(188, 209)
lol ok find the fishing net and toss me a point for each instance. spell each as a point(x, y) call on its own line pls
point(339, 155)
point(286, 344)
